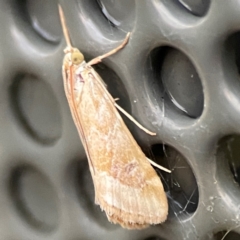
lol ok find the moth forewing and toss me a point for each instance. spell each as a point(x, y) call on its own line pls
point(126, 186)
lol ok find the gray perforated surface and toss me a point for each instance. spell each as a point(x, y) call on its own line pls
point(178, 76)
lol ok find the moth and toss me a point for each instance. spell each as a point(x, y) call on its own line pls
point(126, 186)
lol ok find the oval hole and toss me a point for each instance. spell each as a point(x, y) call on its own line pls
point(36, 108)
point(34, 198)
point(180, 185)
point(229, 150)
point(43, 16)
point(176, 76)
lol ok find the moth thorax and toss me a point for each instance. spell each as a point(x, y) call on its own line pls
point(77, 57)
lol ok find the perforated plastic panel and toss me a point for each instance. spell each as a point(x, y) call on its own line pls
point(178, 76)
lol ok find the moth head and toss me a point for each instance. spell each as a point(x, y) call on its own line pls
point(76, 57)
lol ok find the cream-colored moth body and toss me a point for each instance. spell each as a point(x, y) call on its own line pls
point(126, 186)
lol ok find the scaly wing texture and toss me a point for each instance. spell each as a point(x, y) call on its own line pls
point(126, 186)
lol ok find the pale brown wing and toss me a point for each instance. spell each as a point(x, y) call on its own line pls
point(126, 186)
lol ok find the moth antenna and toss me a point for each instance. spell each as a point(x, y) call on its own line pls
point(64, 27)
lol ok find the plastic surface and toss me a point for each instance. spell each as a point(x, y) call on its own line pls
point(178, 76)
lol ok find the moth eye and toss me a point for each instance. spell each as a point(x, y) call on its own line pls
point(77, 58)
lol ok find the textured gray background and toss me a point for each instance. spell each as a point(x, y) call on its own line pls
point(178, 75)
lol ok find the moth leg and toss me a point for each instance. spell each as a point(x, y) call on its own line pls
point(116, 99)
point(133, 120)
point(79, 96)
point(99, 58)
point(158, 166)
point(65, 81)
